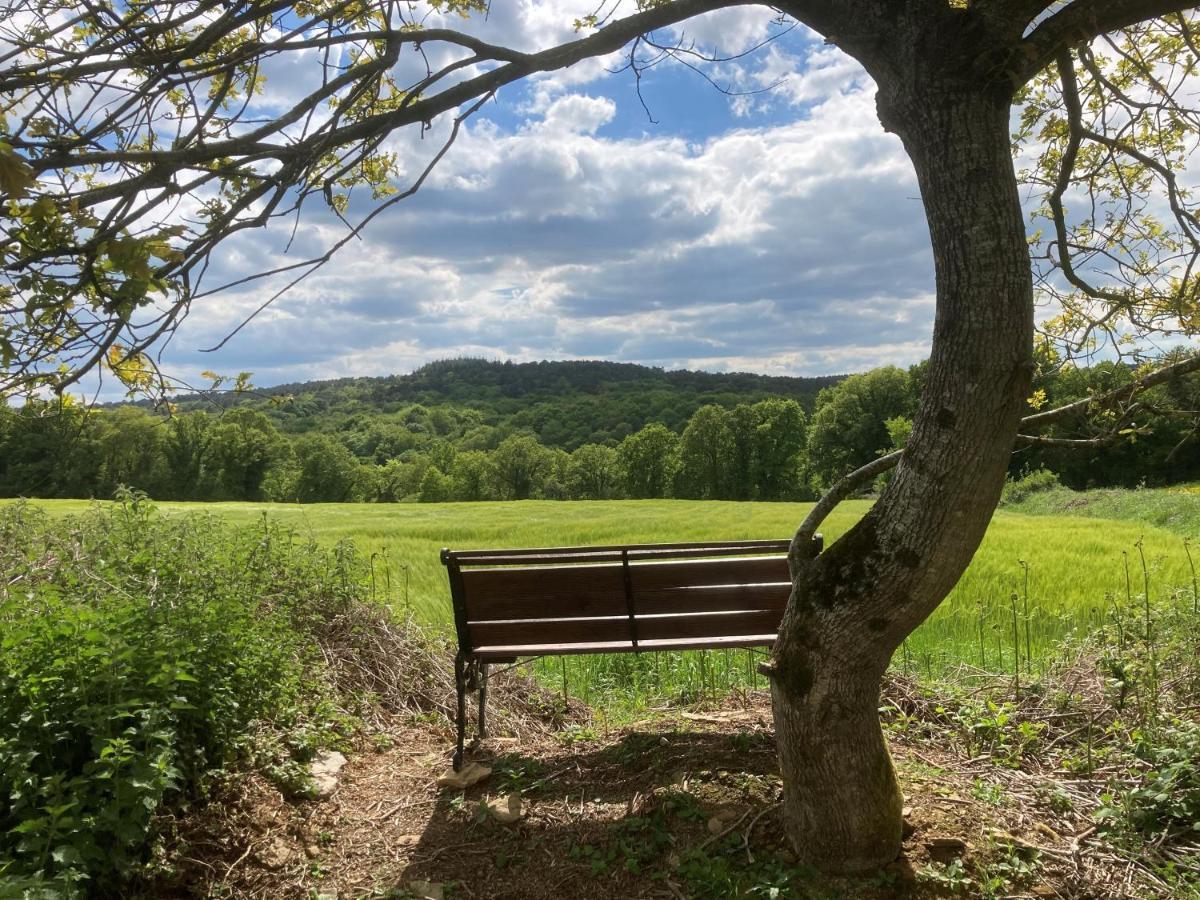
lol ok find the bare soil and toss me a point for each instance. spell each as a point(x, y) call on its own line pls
point(682, 804)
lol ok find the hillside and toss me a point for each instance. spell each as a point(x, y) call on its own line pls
point(565, 403)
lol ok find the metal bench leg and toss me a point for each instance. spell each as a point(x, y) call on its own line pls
point(483, 685)
point(460, 685)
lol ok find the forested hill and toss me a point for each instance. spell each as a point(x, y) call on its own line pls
point(566, 404)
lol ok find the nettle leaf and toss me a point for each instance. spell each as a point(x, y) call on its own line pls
point(134, 370)
point(16, 176)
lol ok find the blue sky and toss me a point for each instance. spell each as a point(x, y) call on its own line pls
point(777, 233)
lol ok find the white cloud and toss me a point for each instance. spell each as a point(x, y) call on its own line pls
point(794, 246)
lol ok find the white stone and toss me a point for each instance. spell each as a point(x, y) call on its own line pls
point(324, 771)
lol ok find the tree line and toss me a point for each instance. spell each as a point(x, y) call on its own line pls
point(771, 449)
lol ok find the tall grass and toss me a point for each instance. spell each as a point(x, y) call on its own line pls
point(1035, 580)
point(139, 658)
point(1174, 509)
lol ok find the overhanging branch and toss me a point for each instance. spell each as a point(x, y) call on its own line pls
point(802, 542)
point(1080, 22)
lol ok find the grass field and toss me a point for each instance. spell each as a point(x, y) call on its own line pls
point(1175, 509)
point(1067, 572)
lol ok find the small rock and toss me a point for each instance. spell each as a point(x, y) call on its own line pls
point(427, 890)
point(324, 771)
point(471, 773)
point(505, 810)
point(275, 854)
point(723, 818)
point(944, 849)
point(312, 851)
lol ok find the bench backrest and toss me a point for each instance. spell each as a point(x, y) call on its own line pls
point(612, 599)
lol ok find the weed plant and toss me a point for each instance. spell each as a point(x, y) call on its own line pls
point(1065, 569)
point(139, 657)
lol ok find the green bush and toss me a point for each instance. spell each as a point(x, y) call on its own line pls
point(1168, 799)
point(138, 656)
point(1035, 482)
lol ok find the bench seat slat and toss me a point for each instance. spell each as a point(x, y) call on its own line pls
point(743, 570)
point(710, 643)
point(617, 628)
point(534, 586)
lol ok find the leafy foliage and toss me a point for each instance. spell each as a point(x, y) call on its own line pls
point(1109, 130)
point(139, 656)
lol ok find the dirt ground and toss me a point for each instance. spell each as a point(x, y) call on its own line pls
point(682, 804)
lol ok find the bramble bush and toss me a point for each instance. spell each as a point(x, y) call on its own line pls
point(1034, 482)
point(139, 656)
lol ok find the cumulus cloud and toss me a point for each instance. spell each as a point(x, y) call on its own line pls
point(789, 241)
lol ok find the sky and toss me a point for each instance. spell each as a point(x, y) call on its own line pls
point(778, 232)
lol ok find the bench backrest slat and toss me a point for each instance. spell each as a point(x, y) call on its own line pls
point(548, 592)
point(550, 555)
point(619, 597)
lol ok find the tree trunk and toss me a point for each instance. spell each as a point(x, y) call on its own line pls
point(852, 606)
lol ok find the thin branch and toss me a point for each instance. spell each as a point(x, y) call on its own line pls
point(802, 543)
point(1082, 21)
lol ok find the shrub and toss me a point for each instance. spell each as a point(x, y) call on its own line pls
point(1035, 482)
point(138, 656)
point(1168, 799)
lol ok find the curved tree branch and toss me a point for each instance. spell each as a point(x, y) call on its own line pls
point(802, 543)
point(1081, 21)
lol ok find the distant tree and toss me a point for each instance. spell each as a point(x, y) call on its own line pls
point(848, 428)
point(129, 443)
point(649, 460)
point(706, 454)
point(594, 473)
point(49, 450)
point(184, 446)
point(441, 453)
point(899, 429)
point(393, 481)
point(743, 473)
point(1163, 428)
point(436, 487)
point(780, 437)
point(482, 437)
point(471, 477)
point(380, 441)
point(554, 485)
point(326, 471)
point(242, 446)
point(519, 466)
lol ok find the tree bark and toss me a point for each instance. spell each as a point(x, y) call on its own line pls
point(852, 606)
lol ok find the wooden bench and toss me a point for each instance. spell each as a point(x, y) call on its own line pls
point(510, 604)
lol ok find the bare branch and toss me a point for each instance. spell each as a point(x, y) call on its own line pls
point(845, 486)
point(1081, 21)
point(848, 484)
point(1114, 397)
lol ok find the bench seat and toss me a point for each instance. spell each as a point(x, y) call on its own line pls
point(634, 598)
point(515, 651)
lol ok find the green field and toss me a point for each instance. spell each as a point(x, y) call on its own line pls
point(1076, 572)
